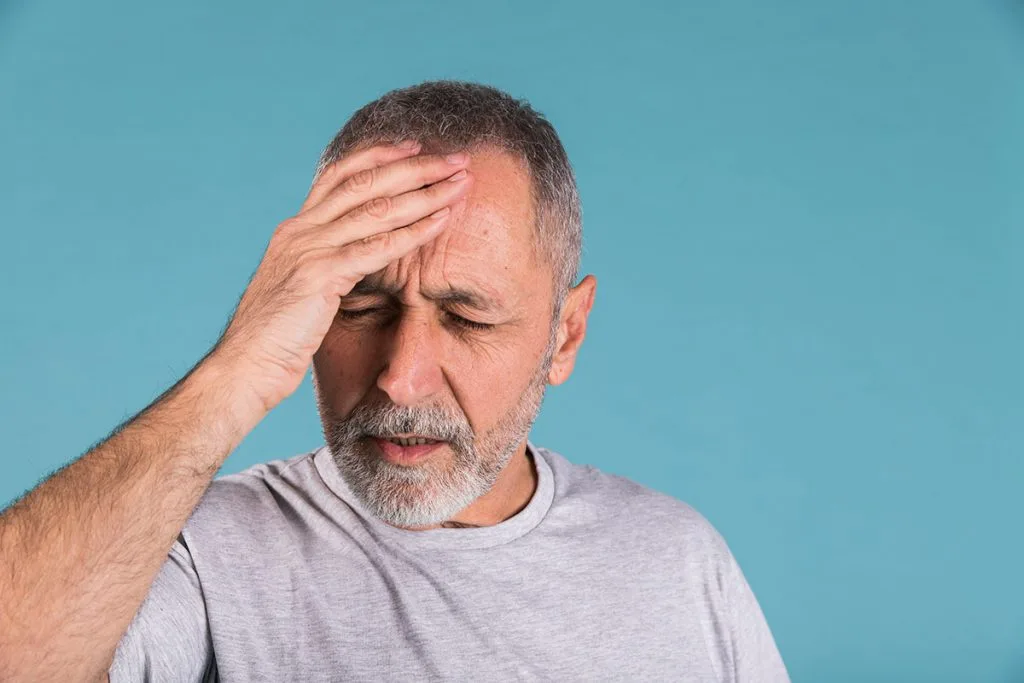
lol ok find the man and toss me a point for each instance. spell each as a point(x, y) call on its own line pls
point(428, 280)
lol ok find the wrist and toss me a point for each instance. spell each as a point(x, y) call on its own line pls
point(221, 389)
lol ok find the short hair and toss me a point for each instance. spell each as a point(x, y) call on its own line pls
point(451, 115)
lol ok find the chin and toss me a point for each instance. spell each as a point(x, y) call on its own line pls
point(423, 494)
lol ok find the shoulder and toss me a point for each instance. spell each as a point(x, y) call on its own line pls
point(256, 495)
point(635, 513)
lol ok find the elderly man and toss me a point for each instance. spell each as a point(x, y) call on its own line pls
point(429, 280)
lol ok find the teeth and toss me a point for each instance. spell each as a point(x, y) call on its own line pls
point(410, 442)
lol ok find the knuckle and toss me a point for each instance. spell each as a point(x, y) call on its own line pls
point(361, 182)
point(283, 233)
point(317, 269)
point(378, 208)
point(368, 246)
point(286, 227)
point(425, 161)
point(384, 241)
point(352, 252)
point(306, 271)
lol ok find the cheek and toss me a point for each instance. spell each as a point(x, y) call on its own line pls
point(343, 369)
point(482, 390)
point(489, 378)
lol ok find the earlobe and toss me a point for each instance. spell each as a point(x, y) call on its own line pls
point(572, 329)
point(557, 374)
point(554, 370)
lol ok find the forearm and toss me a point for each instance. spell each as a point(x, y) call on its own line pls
point(79, 553)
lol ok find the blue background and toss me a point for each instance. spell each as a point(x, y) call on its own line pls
point(806, 220)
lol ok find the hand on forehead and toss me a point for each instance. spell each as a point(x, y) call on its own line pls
point(489, 244)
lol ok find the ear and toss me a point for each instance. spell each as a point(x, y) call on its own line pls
point(572, 328)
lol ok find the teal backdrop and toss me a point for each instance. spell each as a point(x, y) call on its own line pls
point(805, 218)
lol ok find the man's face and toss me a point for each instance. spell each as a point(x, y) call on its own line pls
point(452, 343)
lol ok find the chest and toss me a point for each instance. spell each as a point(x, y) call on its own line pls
point(364, 618)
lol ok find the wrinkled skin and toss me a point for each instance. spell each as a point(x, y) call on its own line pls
point(398, 351)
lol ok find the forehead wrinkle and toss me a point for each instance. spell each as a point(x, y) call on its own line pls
point(445, 295)
point(469, 264)
point(486, 234)
point(490, 231)
point(461, 296)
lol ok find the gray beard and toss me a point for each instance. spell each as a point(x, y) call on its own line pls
point(434, 491)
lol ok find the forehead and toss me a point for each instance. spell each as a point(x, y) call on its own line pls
point(489, 244)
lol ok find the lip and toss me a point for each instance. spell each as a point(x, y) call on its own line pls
point(405, 455)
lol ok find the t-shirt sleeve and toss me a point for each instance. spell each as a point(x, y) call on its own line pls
point(756, 658)
point(169, 637)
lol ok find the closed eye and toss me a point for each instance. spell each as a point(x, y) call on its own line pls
point(453, 318)
point(464, 322)
point(357, 312)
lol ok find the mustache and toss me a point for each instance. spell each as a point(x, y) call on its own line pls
point(384, 420)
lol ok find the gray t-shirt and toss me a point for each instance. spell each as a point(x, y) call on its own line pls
point(281, 575)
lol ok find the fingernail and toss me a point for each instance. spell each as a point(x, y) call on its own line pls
point(458, 176)
point(409, 144)
point(441, 213)
point(457, 158)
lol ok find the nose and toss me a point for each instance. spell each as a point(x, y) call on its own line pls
point(412, 364)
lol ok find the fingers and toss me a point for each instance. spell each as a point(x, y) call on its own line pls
point(375, 206)
point(389, 213)
point(353, 163)
point(387, 180)
point(375, 253)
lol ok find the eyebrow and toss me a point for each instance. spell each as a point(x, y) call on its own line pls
point(451, 295)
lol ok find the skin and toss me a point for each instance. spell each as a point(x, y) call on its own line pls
point(397, 340)
point(79, 552)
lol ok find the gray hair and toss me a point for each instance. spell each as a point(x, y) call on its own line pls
point(450, 115)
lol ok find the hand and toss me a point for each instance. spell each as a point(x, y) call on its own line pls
point(365, 211)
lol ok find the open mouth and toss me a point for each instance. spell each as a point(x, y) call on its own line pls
point(413, 441)
point(404, 450)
